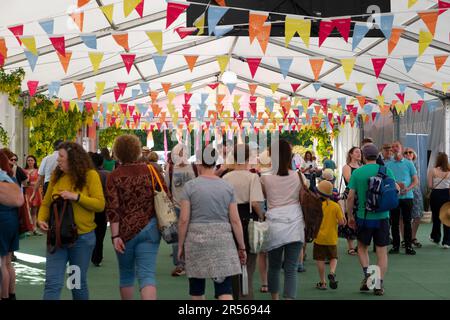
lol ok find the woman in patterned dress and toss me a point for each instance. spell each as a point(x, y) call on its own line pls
point(31, 170)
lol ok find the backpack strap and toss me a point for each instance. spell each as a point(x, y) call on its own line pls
point(382, 171)
point(194, 168)
point(170, 176)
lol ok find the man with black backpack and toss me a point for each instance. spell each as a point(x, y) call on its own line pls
point(370, 224)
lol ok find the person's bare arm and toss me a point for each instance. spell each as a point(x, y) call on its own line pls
point(350, 206)
point(10, 194)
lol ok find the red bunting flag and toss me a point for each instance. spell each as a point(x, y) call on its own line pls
point(88, 106)
point(2, 60)
point(116, 94)
point(122, 86)
point(325, 29)
point(128, 60)
point(324, 103)
point(59, 44)
point(187, 97)
point(378, 64)
point(401, 96)
point(417, 106)
point(17, 31)
point(131, 109)
point(140, 9)
point(32, 87)
point(213, 85)
point(123, 107)
point(381, 87)
point(183, 32)
point(343, 26)
point(374, 115)
point(295, 86)
point(66, 105)
point(253, 64)
point(173, 12)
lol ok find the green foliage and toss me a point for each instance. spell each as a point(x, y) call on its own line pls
point(10, 84)
point(4, 138)
point(107, 136)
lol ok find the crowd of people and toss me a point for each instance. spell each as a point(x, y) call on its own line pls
point(215, 199)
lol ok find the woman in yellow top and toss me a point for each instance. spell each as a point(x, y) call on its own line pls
point(74, 179)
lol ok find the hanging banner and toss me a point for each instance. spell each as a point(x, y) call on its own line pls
point(255, 24)
point(173, 12)
point(58, 43)
point(425, 39)
point(325, 29)
point(95, 58)
point(89, 40)
point(378, 64)
point(430, 19)
point(99, 87)
point(78, 18)
point(65, 60)
point(47, 25)
point(316, 66)
point(439, 61)
point(121, 39)
point(409, 62)
point(347, 65)
point(17, 31)
point(253, 64)
point(159, 62)
point(128, 60)
point(129, 6)
point(343, 26)
point(32, 87)
point(214, 16)
point(359, 32)
point(108, 11)
point(157, 40)
point(395, 37)
point(32, 59)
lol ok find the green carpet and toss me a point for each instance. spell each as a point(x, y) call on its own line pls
point(424, 276)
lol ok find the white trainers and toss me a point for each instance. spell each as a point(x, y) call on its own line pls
point(445, 246)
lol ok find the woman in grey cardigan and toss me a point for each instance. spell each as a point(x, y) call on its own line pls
point(208, 220)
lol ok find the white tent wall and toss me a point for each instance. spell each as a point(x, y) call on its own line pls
point(382, 131)
point(348, 137)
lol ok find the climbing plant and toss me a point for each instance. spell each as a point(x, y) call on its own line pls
point(10, 84)
point(4, 138)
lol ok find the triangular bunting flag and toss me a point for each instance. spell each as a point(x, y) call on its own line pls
point(30, 43)
point(253, 64)
point(183, 32)
point(359, 86)
point(32, 59)
point(443, 4)
point(89, 40)
point(173, 12)
point(274, 87)
point(108, 11)
point(411, 3)
point(347, 65)
point(409, 62)
point(81, 3)
point(140, 9)
point(199, 23)
point(157, 40)
point(325, 29)
point(99, 87)
point(65, 60)
point(219, 31)
point(187, 86)
point(53, 88)
point(166, 87)
point(214, 16)
point(439, 61)
point(430, 19)
point(78, 18)
point(361, 100)
point(144, 87)
point(295, 86)
point(338, 84)
point(381, 87)
point(255, 23)
point(128, 60)
point(385, 22)
point(231, 87)
point(359, 32)
point(429, 85)
point(47, 25)
point(32, 87)
point(59, 44)
point(316, 66)
point(159, 62)
point(129, 6)
point(122, 87)
point(96, 58)
point(302, 27)
point(378, 64)
point(223, 62)
point(317, 86)
point(79, 88)
point(214, 85)
point(343, 26)
point(121, 39)
point(285, 65)
point(191, 60)
point(17, 31)
point(3, 48)
point(425, 39)
point(263, 36)
point(401, 96)
point(252, 88)
point(395, 37)
point(402, 87)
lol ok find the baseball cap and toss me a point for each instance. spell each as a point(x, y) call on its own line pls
point(370, 151)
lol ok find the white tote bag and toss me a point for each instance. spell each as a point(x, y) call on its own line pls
point(257, 234)
point(244, 284)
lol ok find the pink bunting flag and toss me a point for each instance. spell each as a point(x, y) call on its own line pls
point(183, 32)
point(17, 31)
point(128, 60)
point(173, 12)
point(295, 86)
point(401, 96)
point(325, 29)
point(381, 87)
point(122, 86)
point(123, 107)
point(66, 105)
point(59, 44)
point(213, 85)
point(324, 103)
point(343, 26)
point(378, 64)
point(131, 109)
point(32, 86)
point(140, 9)
point(374, 115)
point(116, 94)
point(187, 97)
point(417, 106)
point(2, 60)
point(443, 6)
point(253, 64)
point(88, 106)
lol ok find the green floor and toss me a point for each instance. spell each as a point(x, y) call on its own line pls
point(424, 276)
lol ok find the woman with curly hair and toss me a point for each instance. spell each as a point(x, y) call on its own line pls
point(75, 179)
point(131, 213)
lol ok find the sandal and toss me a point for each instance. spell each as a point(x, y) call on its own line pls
point(333, 282)
point(352, 252)
point(416, 243)
point(264, 288)
point(321, 285)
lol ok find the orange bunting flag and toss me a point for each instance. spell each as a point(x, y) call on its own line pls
point(338, 85)
point(154, 95)
point(78, 18)
point(3, 48)
point(439, 61)
point(191, 60)
point(361, 100)
point(79, 87)
point(430, 20)
point(65, 60)
point(429, 85)
point(221, 3)
point(121, 39)
point(255, 24)
point(263, 36)
point(395, 36)
point(220, 98)
point(252, 87)
point(81, 3)
point(316, 66)
point(166, 86)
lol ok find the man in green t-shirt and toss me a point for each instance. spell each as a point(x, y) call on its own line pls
point(368, 225)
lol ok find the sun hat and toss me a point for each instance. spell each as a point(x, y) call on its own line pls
point(325, 188)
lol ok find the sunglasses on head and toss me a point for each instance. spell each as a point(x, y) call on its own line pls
point(13, 159)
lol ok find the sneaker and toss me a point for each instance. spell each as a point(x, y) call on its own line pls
point(378, 292)
point(445, 246)
point(434, 242)
point(333, 282)
point(364, 286)
point(301, 268)
point(178, 271)
point(394, 250)
point(403, 244)
point(410, 251)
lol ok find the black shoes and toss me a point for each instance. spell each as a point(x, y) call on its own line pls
point(410, 251)
point(394, 250)
point(333, 282)
point(364, 286)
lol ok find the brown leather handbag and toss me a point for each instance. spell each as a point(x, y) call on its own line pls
point(312, 211)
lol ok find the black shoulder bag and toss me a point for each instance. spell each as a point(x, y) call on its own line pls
point(62, 229)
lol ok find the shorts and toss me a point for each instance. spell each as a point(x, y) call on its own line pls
point(197, 287)
point(324, 252)
point(378, 230)
point(9, 231)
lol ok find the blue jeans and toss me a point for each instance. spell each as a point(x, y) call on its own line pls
point(291, 254)
point(175, 247)
point(77, 255)
point(139, 258)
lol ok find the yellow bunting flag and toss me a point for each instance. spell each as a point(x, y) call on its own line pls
point(411, 3)
point(65, 59)
point(191, 60)
point(129, 6)
point(79, 87)
point(99, 87)
point(223, 62)
point(72, 105)
point(395, 36)
point(425, 39)
point(347, 65)
point(439, 61)
point(157, 39)
point(274, 87)
point(302, 27)
point(430, 19)
point(96, 58)
point(30, 43)
point(121, 39)
point(108, 12)
point(359, 86)
point(200, 24)
point(316, 66)
point(78, 18)
point(380, 100)
point(445, 86)
point(188, 86)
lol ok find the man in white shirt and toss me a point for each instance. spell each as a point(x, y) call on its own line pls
point(46, 168)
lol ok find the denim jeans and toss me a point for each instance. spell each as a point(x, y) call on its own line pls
point(139, 258)
point(291, 255)
point(77, 255)
point(175, 246)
